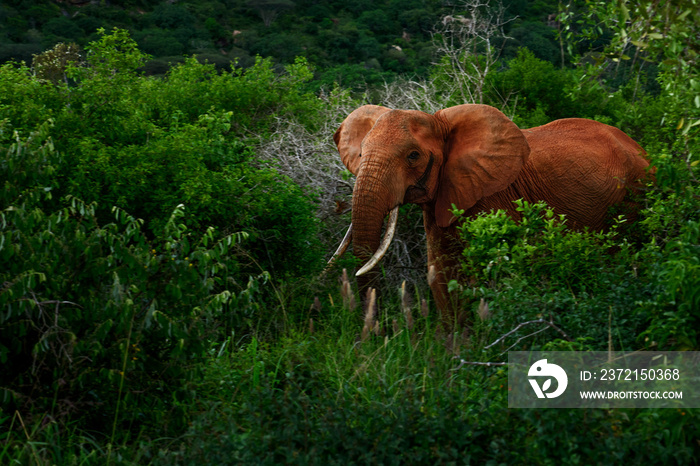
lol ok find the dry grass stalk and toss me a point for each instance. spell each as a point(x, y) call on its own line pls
point(369, 314)
point(432, 275)
point(406, 306)
point(484, 312)
point(311, 326)
point(455, 341)
point(346, 292)
point(449, 343)
point(424, 308)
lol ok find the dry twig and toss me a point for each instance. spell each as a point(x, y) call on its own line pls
point(548, 324)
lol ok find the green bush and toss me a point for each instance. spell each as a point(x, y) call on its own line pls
point(534, 88)
point(539, 247)
point(148, 145)
point(99, 315)
point(676, 307)
point(306, 420)
point(671, 219)
point(589, 283)
point(107, 310)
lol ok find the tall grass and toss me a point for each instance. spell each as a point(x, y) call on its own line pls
point(375, 385)
point(381, 384)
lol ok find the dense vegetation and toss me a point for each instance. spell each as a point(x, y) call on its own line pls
point(162, 237)
point(351, 43)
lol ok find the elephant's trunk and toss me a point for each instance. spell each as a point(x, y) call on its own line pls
point(384, 245)
point(379, 253)
point(371, 202)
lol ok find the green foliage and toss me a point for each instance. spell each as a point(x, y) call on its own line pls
point(537, 90)
point(671, 217)
point(23, 99)
point(676, 306)
point(640, 33)
point(112, 56)
point(536, 267)
point(92, 310)
point(108, 314)
point(327, 34)
point(153, 336)
point(538, 246)
point(300, 426)
point(148, 145)
point(62, 29)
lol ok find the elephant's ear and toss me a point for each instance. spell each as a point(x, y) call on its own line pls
point(484, 152)
point(352, 131)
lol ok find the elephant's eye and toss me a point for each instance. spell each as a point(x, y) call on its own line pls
point(413, 156)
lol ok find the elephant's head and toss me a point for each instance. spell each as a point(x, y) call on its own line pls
point(456, 156)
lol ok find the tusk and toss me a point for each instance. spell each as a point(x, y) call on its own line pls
point(339, 252)
point(343, 245)
point(390, 230)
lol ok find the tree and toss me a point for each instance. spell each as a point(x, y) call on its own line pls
point(664, 33)
point(270, 9)
point(466, 43)
point(52, 64)
point(667, 32)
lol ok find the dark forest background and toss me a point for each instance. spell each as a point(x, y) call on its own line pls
point(171, 193)
point(351, 43)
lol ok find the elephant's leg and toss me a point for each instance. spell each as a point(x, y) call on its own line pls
point(443, 267)
point(441, 270)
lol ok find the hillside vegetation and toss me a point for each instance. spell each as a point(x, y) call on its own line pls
point(163, 235)
point(352, 43)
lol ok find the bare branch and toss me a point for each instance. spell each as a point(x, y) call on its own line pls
point(463, 363)
point(549, 323)
point(466, 45)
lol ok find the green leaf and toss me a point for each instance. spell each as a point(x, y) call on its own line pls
point(624, 13)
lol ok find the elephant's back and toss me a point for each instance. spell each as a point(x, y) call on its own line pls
point(589, 138)
point(577, 146)
point(584, 165)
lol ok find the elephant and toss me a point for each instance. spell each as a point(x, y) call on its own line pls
point(475, 158)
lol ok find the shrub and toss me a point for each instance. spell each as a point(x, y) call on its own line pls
point(539, 246)
point(95, 316)
point(671, 219)
point(147, 145)
point(588, 282)
point(534, 88)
